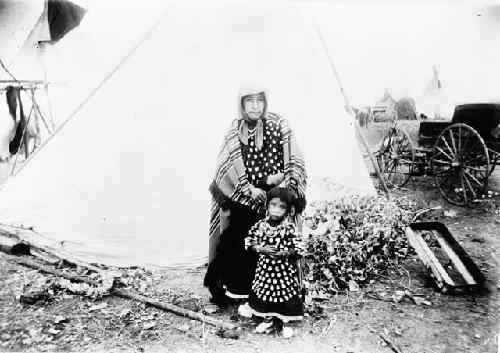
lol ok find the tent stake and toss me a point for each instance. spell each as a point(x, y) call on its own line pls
point(358, 129)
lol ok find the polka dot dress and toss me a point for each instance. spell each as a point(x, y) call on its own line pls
point(275, 288)
point(269, 159)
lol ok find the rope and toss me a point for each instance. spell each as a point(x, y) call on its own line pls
point(8, 72)
point(41, 115)
point(96, 89)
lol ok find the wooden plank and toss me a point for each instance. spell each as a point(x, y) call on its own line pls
point(422, 254)
point(435, 261)
point(7, 243)
point(454, 258)
point(43, 245)
point(429, 259)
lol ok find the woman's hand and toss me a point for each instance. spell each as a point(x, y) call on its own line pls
point(257, 194)
point(275, 179)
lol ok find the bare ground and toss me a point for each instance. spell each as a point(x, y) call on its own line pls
point(348, 322)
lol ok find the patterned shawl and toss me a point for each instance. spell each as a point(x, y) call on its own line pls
point(230, 183)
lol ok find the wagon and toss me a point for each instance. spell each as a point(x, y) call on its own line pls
point(460, 155)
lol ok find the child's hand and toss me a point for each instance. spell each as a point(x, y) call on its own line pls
point(267, 250)
point(283, 253)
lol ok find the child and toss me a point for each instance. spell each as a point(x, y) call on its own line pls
point(275, 289)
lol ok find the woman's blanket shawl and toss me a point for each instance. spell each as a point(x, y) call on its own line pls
point(231, 184)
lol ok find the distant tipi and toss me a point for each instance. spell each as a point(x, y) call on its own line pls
point(434, 102)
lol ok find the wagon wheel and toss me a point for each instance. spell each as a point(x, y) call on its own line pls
point(494, 157)
point(396, 157)
point(460, 164)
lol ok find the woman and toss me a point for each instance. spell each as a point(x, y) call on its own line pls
point(259, 151)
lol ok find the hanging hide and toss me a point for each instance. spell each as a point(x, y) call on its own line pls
point(17, 113)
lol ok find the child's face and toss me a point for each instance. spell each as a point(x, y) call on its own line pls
point(277, 209)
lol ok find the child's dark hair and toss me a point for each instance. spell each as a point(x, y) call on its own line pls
point(283, 194)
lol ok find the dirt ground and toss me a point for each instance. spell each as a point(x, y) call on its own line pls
point(348, 322)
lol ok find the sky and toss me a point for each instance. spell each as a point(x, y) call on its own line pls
point(374, 45)
point(388, 45)
point(395, 45)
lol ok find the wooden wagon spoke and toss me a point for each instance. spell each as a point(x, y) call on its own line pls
point(396, 157)
point(494, 153)
point(453, 142)
point(476, 145)
point(481, 174)
point(463, 186)
point(389, 163)
point(393, 168)
point(473, 178)
point(459, 138)
point(442, 162)
point(470, 187)
point(472, 155)
point(447, 145)
point(463, 151)
point(444, 153)
point(474, 168)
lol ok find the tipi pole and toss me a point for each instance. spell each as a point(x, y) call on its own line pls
point(100, 84)
point(51, 115)
point(358, 129)
point(46, 88)
point(123, 293)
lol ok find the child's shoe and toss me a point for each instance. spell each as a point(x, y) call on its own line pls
point(264, 327)
point(287, 332)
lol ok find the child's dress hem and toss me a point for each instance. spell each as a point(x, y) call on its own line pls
point(283, 318)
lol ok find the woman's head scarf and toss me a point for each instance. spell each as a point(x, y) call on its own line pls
point(248, 90)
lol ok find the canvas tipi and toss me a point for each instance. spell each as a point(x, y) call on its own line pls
point(434, 102)
point(28, 30)
point(125, 179)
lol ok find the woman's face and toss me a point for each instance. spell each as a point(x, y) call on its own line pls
point(253, 106)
